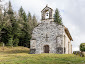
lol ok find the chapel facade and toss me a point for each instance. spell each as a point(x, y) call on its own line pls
point(50, 37)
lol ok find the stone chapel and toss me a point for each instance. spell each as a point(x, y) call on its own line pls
point(50, 37)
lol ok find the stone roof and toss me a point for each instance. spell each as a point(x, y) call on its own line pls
point(46, 8)
point(68, 33)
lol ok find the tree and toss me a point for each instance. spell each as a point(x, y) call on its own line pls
point(16, 28)
point(1, 14)
point(57, 17)
point(34, 21)
point(16, 42)
point(10, 42)
point(27, 30)
point(25, 38)
point(30, 22)
point(1, 20)
point(22, 14)
point(10, 12)
point(1, 7)
point(4, 36)
point(10, 26)
point(21, 11)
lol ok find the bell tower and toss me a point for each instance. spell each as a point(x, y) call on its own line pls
point(47, 14)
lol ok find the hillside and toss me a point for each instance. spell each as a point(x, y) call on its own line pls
point(20, 55)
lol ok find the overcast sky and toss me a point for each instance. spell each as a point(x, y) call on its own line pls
point(72, 12)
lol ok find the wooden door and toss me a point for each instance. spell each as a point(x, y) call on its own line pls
point(46, 49)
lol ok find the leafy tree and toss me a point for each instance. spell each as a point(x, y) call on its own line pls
point(57, 17)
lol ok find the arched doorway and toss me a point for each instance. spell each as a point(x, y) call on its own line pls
point(46, 49)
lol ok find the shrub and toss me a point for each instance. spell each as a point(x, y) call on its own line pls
point(82, 47)
point(78, 53)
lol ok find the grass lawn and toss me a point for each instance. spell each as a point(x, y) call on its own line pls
point(20, 55)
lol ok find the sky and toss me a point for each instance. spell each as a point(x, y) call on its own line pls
point(71, 11)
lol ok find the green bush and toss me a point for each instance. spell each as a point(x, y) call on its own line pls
point(79, 53)
point(82, 47)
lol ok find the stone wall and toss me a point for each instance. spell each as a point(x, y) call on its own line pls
point(54, 40)
point(68, 45)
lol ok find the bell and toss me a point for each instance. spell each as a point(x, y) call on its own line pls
point(47, 14)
